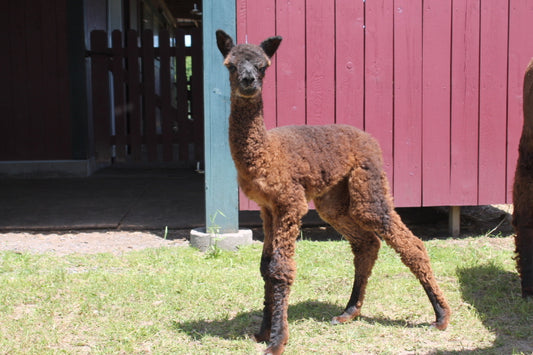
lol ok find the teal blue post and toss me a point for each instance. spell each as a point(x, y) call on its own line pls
point(221, 190)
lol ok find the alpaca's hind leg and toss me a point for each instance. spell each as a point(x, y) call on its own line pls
point(333, 208)
point(414, 255)
point(524, 259)
point(365, 250)
point(371, 205)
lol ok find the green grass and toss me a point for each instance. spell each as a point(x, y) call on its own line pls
point(180, 301)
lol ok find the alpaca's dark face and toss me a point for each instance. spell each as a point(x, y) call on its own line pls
point(246, 63)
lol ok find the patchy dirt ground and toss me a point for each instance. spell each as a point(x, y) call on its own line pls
point(115, 242)
point(427, 223)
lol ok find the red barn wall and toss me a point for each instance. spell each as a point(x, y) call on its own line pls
point(34, 92)
point(437, 82)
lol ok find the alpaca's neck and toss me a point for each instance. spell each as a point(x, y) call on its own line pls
point(247, 132)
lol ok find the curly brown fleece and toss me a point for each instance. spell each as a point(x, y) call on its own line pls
point(339, 167)
point(523, 192)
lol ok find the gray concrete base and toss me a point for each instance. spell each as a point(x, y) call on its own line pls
point(227, 241)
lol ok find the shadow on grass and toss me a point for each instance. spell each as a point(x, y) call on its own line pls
point(495, 294)
point(246, 323)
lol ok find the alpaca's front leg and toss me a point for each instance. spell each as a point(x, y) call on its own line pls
point(281, 270)
point(264, 331)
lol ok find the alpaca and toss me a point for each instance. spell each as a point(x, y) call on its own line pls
point(339, 167)
point(523, 192)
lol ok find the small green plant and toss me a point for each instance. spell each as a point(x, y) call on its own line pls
point(214, 250)
point(165, 235)
point(212, 227)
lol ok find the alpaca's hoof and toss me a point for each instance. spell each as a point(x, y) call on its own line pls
point(442, 324)
point(274, 350)
point(262, 337)
point(346, 316)
point(439, 325)
point(527, 292)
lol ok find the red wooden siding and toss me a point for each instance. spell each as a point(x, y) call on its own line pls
point(34, 93)
point(437, 82)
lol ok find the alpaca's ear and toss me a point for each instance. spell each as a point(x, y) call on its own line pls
point(270, 45)
point(224, 42)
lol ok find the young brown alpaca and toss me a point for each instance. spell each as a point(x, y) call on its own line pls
point(523, 192)
point(338, 167)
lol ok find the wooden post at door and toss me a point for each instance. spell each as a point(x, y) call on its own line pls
point(221, 192)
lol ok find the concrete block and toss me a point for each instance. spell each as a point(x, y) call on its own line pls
point(227, 241)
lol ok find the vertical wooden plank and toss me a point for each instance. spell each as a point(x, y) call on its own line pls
point(66, 89)
point(35, 124)
point(320, 45)
point(221, 192)
point(165, 82)
point(197, 88)
point(465, 102)
point(118, 94)
point(74, 75)
point(134, 95)
point(57, 127)
point(149, 94)
point(379, 87)
point(290, 75)
point(100, 96)
point(408, 102)
point(7, 101)
point(256, 21)
point(520, 53)
point(181, 92)
point(437, 20)
point(17, 137)
point(349, 66)
point(493, 101)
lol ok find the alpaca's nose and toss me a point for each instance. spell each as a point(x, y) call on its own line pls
point(248, 80)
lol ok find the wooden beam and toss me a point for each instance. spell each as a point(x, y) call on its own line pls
point(454, 221)
point(221, 190)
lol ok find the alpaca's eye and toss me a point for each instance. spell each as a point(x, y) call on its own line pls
point(232, 68)
point(262, 70)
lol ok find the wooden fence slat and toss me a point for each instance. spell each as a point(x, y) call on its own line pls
point(165, 82)
point(120, 107)
point(290, 74)
point(493, 101)
point(436, 102)
point(134, 95)
point(520, 53)
point(181, 86)
point(197, 86)
point(407, 102)
point(350, 66)
point(379, 70)
point(100, 95)
point(320, 61)
point(465, 99)
point(149, 102)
